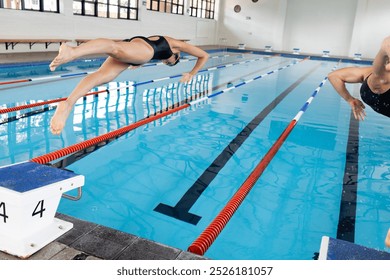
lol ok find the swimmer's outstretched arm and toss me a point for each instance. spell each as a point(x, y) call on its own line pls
point(340, 77)
point(191, 50)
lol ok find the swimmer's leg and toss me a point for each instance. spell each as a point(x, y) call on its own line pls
point(110, 69)
point(68, 53)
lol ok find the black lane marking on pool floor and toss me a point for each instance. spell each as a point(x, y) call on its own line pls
point(66, 161)
point(347, 216)
point(181, 210)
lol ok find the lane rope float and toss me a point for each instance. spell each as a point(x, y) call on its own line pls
point(70, 75)
point(116, 133)
point(27, 106)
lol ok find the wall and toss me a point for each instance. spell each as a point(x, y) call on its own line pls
point(317, 25)
point(29, 24)
point(371, 26)
point(256, 25)
point(342, 27)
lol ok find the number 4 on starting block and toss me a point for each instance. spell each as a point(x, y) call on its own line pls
point(29, 197)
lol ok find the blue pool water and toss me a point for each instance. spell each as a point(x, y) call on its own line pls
point(194, 160)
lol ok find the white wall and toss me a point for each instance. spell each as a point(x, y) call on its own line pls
point(256, 25)
point(317, 25)
point(343, 27)
point(371, 26)
point(37, 25)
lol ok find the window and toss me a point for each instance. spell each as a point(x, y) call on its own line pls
point(32, 5)
point(202, 8)
point(120, 9)
point(166, 6)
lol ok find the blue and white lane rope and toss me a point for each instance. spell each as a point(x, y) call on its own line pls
point(82, 73)
point(186, 59)
point(253, 79)
point(308, 102)
point(232, 64)
point(311, 98)
point(203, 70)
point(61, 76)
point(107, 89)
point(44, 78)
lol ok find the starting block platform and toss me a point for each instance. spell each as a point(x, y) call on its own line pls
point(336, 249)
point(30, 194)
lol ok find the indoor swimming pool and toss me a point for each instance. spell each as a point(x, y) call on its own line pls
point(188, 148)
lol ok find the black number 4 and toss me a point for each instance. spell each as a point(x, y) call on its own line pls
point(39, 209)
point(3, 214)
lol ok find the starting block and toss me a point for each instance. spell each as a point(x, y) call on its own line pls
point(30, 194)
point(325, 53)
point(268, 48)
point(357, 56)
point(296, 50)
point(241, 46)
point(336, 249)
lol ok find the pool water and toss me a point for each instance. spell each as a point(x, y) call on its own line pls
point(192, 162)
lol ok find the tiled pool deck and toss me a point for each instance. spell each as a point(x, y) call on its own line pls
point(88, 241)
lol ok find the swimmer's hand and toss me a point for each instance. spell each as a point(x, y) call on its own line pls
point(187, 77)
point(357, 109)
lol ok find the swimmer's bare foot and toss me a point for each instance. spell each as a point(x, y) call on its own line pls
point(58, 121)
point(65, 54)
point(387, 240)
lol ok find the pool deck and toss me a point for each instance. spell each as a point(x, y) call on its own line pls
point(89, 241)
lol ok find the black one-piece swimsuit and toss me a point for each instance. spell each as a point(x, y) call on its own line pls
point(161, 48)
point(378, 102)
